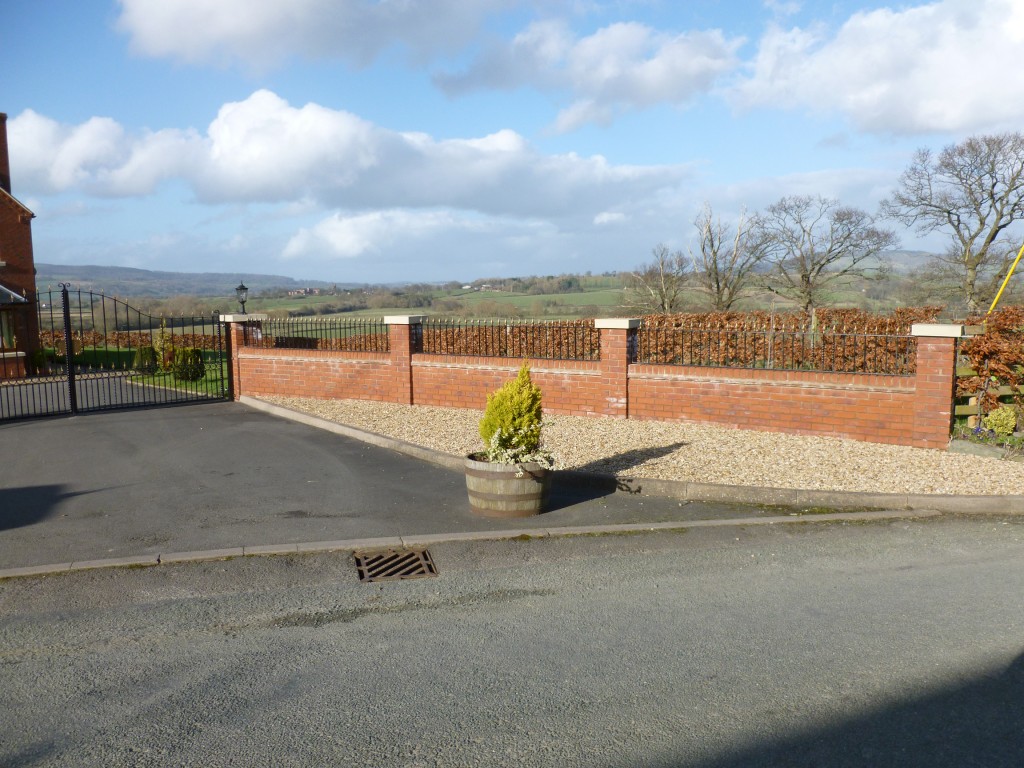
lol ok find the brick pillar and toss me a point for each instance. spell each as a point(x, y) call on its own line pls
point(404, 339)
point(618, 341)
point(934, 382)
point(234, 340)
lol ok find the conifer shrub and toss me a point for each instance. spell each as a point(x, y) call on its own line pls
point(145, 359)
point(163, 343)
point(1002, 421)
point(189, 364)
point(512, 423)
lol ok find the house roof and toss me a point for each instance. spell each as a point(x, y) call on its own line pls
point(7, 296)
point(12, 201)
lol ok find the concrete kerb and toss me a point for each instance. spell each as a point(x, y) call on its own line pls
point(685, 490)
point(424, 540)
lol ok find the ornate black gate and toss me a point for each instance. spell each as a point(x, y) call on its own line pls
point(80, 351)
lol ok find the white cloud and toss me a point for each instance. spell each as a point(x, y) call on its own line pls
point(348, 236)
point(609, 217)
point(782, 7)
point(51, 157)
point(263, 33)
point(858, 187)
point(264, 150)
point(620, 67)
point(948, 66)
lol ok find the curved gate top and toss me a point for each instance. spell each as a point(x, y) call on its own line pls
point(77, 351)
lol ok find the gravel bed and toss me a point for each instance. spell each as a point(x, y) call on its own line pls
point(695, 452)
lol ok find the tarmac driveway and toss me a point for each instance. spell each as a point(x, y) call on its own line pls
point(200, 477)
point(218, 475)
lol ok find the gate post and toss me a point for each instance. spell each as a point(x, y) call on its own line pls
point(234, 340)
point(618, 350)
point(69, 348)
point(935, 381)
point(405, 338)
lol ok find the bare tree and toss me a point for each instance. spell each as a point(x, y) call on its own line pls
point(726, 258)
point(813, 243)
point(975, 191)
point(657, 287)
point(947, 277)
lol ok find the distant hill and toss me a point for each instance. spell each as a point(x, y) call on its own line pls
point(128, 281)
point(906, 261)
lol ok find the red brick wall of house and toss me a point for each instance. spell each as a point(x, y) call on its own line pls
point(902, 410)
point(18, 272)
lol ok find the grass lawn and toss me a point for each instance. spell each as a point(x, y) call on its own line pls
point(211, 384)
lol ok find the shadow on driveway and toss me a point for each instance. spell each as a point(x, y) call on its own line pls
point(29, 505)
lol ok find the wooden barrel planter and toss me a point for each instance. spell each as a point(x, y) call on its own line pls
point(496, 491)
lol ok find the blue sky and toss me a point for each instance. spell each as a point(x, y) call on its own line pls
point(394, 140)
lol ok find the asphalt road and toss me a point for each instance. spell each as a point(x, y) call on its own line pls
point(895, 644)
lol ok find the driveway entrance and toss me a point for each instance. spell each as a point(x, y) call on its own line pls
point(87, 352)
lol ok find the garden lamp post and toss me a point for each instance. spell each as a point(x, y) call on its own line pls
point(242, 293)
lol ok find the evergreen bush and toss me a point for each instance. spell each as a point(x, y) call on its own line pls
point(512, 423)
point(189, 364)
point(145, 359)
point(1002, 421)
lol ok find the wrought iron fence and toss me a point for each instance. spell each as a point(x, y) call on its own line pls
point(817, 350)
point(349, 334)
point(532, 339)
point(83, 351)
point(12, 341)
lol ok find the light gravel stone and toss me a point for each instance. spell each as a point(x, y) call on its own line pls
point(702, 453)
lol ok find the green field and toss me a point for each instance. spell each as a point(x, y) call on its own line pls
point(600, 297)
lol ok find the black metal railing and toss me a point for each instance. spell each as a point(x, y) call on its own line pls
point(352, 334)
point(530, 339)
point(83, 351)
point(824, 351)
point(12, 358)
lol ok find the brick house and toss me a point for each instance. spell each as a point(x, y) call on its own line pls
point(19, 329)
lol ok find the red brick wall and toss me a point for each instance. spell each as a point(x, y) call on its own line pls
point(877, 409)
point(903, 410)
point(306, 373)
point(569, 387)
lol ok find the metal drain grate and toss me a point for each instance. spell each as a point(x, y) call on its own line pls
point(391, 564)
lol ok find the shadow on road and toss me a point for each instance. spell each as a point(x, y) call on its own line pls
point(980, 723)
